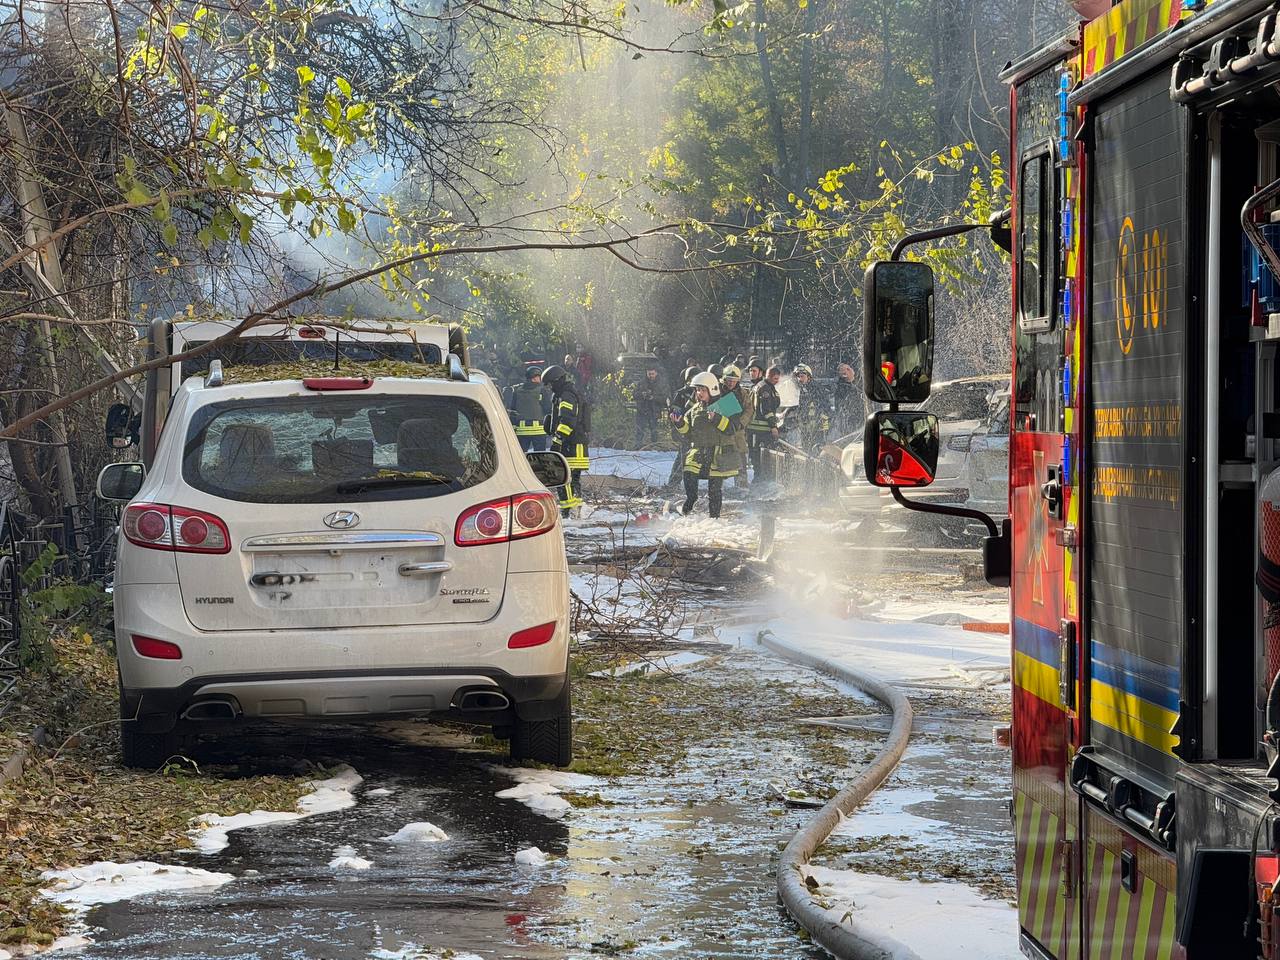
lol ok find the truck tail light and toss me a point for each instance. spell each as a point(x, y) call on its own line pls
point(156, 649)
point(532, 637)
point(511, 518)
point(159, 526)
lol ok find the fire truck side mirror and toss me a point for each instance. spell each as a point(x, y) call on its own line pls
point(900, 448)
point(897, 331)
point(997, 557)
point(1002, 229)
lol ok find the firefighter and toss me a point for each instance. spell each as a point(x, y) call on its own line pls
point(712, 454)
point(813, 412)
point(679, 403)
point(847, 401)
point(764, 427)
point(732, 383)
point(647, 394)
point(528, 406)
point(569, 427)
point(755, 372)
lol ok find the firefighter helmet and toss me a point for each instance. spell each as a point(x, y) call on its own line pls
point(709, 380)
point(554, 377)
point(757, 363)
point(734, 371)
point(716, 370)
point(531, 371)
point(689, 374)
point(803, 368)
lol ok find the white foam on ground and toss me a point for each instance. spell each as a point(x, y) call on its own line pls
point(209, 830)
point(345, 858)
point(418, 833)
point(532, 857)
point(650, 467)
point(539, 790)
point(379, 792)
point(936, 921)
point(411, 951)
point(105, 882)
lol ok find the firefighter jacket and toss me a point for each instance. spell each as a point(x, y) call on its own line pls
point(528, 406)
point(765, 404)
point(712, 450)
point(848, 407)
point(571, 426)
point(744, 418)
point(813, 413)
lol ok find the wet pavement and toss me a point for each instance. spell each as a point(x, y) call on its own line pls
point(677, 865)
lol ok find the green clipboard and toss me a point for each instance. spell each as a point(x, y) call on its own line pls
point(727, 406)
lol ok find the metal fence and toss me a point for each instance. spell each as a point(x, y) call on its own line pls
point(10, 606)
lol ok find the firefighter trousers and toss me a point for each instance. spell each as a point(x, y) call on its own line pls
point(715, 491)
point(759, 441)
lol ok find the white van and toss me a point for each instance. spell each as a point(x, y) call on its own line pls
point(340, 547)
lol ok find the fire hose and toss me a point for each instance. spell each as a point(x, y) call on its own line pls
point(841, 936)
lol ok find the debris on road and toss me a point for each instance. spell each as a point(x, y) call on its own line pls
point(418, 833)
point(345, 858)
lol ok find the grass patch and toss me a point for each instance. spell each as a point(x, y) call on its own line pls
point(75, 804)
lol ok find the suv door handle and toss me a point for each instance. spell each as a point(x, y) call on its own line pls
point(425, 569)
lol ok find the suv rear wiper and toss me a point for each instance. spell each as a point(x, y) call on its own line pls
point(375, 483)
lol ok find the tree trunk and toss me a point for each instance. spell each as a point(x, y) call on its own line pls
point(804, 166)
point(770, 94)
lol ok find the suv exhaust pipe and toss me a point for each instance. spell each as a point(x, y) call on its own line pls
point(484, 700)
point(221, 709)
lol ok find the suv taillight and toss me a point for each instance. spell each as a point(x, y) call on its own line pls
point(511, 518)
point(160, 526)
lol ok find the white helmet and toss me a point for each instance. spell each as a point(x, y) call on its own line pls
point(707, 380)
point(733, 370)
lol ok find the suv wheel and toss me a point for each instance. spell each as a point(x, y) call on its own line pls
point(141, 750)
point(546, 741)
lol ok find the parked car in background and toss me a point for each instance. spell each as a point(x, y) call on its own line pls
point(989, 461)
point(965, 409)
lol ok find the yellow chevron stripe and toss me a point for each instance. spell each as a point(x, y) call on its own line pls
point(1043, 904)
point(1145, 909)
point(1025, 891)
point(1036, 678)
point(1166, 929)
point(1104, 898)
point(1059, 912)
point(1132, 716)
point(1123, 906)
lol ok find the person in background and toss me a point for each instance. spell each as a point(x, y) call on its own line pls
point(569, 425)
point(740, 361)
point(680, 401)
point(712, 454)
point(528, 406)
point(732, 383)
point(648, 399)
point(847, 403)
point(585, 369)
point(755, 372)
point(813, 412)
point(764, 428)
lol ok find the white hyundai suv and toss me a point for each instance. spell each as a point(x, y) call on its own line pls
point(336, 548)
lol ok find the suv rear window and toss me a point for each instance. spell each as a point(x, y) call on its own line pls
point(323, 448)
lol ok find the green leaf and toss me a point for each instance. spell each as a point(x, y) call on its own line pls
point(342, 84)
point(170, 233)
point(137, 194)
point(180, 30)
point(305, 75)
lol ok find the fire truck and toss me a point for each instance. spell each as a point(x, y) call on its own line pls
point(1143, 545)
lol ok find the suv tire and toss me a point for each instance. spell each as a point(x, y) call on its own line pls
point(546, 741)
point(141, 750)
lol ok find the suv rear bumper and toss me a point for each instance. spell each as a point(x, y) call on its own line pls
point(349, 696)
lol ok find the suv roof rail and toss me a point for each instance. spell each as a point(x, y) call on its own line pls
point(214, 377)
point(456, 369)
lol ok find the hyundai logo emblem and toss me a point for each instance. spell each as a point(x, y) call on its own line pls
point(342, 519)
